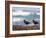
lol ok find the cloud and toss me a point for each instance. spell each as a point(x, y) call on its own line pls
point(21, 13)
point(38, 13)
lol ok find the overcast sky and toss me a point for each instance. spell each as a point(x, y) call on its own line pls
point(20, 12)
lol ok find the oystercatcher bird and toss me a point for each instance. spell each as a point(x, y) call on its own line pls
point(26, 22)
point(35, 22)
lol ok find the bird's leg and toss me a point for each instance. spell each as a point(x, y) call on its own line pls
point(35, 26)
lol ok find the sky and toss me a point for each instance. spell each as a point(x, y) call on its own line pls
point(25, 11)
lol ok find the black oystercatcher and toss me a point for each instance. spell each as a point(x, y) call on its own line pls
point(35, 22)
point(26, 22)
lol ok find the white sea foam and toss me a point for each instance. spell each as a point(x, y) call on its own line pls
point(18, 19)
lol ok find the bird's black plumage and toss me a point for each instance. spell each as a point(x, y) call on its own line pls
point(26, 22)
point(35, 22)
